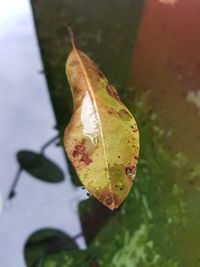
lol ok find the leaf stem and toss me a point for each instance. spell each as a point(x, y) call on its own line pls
point(71, 35)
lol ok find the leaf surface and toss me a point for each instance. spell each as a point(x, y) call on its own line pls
point(101, 139)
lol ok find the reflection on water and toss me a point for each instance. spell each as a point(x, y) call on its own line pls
point(158, 224)
point(170, 2)
point(167, 55)
point(46, 242)
point(166, 62)
point(27, 123)
point(194, 97)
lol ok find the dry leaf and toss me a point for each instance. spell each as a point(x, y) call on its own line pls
point(101, 139)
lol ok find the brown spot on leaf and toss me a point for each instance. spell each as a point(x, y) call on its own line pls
point(123, 113)
point(112, 111)
point(109, 200)
point(86, 159)
point(111, 91)
point(130, 172)
point(134, 128)
point(75, 154)
point(80, 151)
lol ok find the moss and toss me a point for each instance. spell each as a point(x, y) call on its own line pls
point(145, 231)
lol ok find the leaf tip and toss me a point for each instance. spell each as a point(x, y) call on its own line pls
point(111, 202)
point(71, 35)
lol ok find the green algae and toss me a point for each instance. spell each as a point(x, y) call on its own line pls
point(147, 230)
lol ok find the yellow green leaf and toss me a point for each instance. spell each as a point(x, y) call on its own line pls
point(101, 139)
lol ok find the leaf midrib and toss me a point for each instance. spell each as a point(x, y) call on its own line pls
point(96, 110)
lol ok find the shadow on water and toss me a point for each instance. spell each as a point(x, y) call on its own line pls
point(38, 166)
point(45, 242)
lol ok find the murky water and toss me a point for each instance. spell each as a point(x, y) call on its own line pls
point(150, 51)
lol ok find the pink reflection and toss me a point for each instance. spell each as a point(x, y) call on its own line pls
point(166, 61)
point(170, 2)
